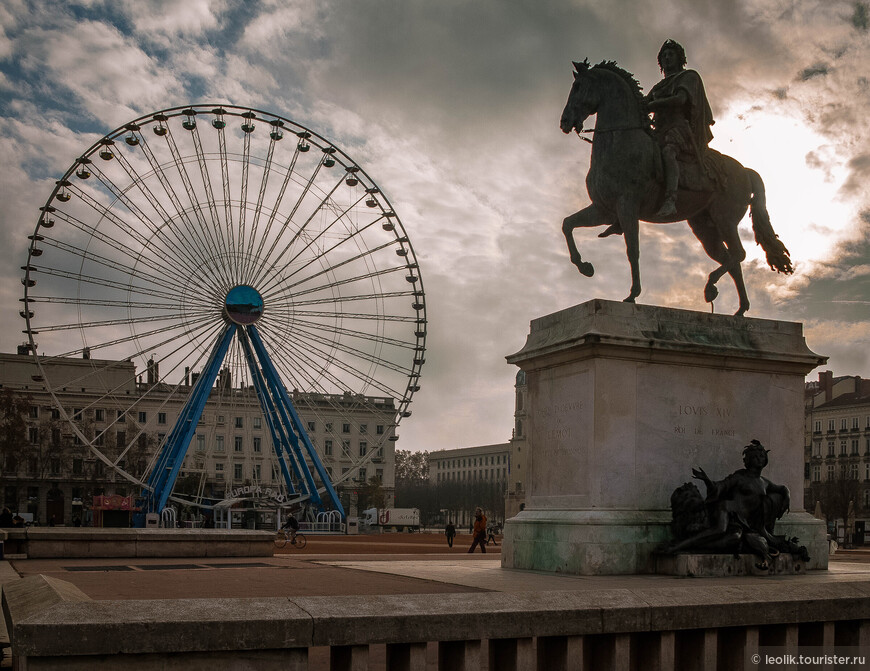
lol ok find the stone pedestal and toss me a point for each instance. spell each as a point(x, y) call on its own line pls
point(623, 400)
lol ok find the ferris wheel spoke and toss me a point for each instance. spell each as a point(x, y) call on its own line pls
point(142, 319)
point(275, 208)
point(216, 224)
point(196, 207)
point(302, 228)
point(361, 335)
point(288, 341)
point(362, 256)
point(350, 280)
point(97, 302)
point(140, 272)
point(364, 316)
point(195, 253)
point(243, 198)
point(227, 191)
point(352, 298)
point(355, 352)
point(267, 170)
point(120, 222)
point(98, 281)
point(138, 336)
point(193, 333)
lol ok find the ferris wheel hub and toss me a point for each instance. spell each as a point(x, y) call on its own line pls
point(243, 305)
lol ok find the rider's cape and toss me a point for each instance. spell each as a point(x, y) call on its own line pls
point(699, 114)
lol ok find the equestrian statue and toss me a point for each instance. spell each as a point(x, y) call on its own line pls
point(661, 170)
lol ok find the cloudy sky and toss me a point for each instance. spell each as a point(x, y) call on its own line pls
point(453, 108)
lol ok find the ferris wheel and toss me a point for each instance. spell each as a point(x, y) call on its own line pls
point(203, 260)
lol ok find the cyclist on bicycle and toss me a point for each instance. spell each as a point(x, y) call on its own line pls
point(291, 525)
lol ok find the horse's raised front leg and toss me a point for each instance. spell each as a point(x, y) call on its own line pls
point(588, 217)
point(627, 212)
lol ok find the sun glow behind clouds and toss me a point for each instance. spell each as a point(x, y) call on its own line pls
point(776, 146)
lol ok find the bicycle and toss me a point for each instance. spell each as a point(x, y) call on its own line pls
point(283, 537)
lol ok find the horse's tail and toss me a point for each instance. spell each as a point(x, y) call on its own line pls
point(777, 255)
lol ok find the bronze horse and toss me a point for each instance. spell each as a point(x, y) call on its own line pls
point(624, 184)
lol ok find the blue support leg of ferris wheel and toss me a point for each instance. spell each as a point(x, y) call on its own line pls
point(292, 418)
point(162, 478)
point(279, 438)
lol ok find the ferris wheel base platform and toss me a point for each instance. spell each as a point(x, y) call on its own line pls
point(82, 542)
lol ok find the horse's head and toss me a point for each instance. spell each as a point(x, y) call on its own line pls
point(581, 101)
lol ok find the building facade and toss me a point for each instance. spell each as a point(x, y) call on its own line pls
point(470, 477)
point(50, 470)
point(837, 453)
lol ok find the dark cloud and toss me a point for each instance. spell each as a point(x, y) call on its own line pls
point(861, 17)
point(816, 70)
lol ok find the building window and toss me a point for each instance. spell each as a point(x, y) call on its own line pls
point(161, 418)
point(55, 414)
point(830, 448)
point(239, 423)
point(843, 424)
point(830, 425)
point(258, 444)
point(345, 428)
point(362, 475)
point(200, 442)
point(219, 471)
point(34, 412)
point(33, 434)
point(258, 422)
point(855, 446)
point(122, 415)
point(853, 472)
point(218, 443)
point(143, 417)
point(329, 426)
point(77, 414)
point(237, 444)
point(830, 474)
point(379, 429)
point(237, 471)
point(312, 426)
point(363, 428)
point(220, 419)
point(817, 427)
point(854, 422)
point(363, 448)
point(257, 471)
point(327, 448)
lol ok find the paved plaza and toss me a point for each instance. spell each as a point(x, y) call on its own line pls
point(340, 565)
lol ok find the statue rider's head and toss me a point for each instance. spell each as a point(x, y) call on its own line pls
point(677, 48)
point(755, 452)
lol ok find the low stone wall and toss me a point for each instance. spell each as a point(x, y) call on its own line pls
point(52, 542)
point(693, 626)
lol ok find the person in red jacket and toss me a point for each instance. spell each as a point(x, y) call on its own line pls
point(479, 531)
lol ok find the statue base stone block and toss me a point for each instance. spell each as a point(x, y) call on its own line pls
point(725, 565)
point(623, 400)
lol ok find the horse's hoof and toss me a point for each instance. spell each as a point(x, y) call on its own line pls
point(710, 293)
point(740, 312)
point(586, 268)
point(630, 299)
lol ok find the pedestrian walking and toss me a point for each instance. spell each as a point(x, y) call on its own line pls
point(450, 532)
point(479, 531)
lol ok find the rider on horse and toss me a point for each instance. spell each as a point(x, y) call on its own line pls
point(681, 117)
